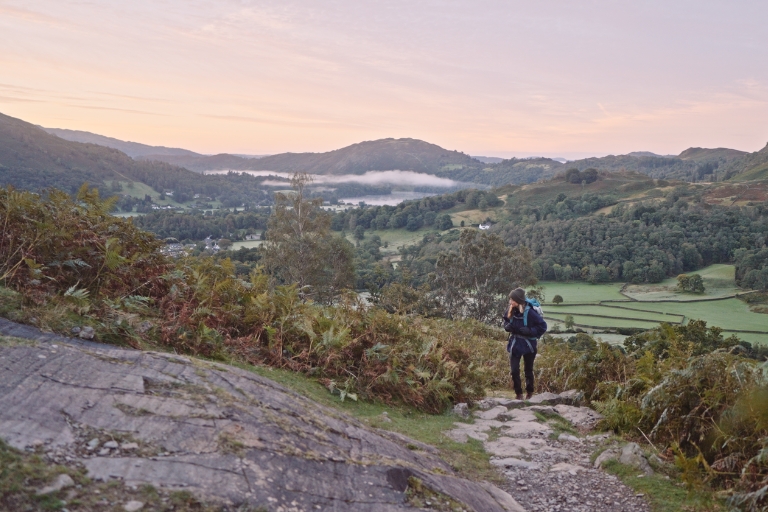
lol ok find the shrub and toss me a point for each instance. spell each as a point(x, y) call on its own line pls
point(686, 388)
point(57, 249)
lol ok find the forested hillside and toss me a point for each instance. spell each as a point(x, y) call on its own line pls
point(620, 227)
point(378, 155)
point(32, 159)
point(132, 149)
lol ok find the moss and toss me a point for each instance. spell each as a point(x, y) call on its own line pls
point(420, 495)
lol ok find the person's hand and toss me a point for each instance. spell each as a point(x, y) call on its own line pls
point(525, 331)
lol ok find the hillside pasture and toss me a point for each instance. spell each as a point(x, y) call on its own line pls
point(247, 244)
point(602, 322)
point(594, 305)
point(728, 314)
point(604, 310)
point(395, 238)
point(719, 281)
point(471, 217)
point(576, 292)
point(140, 190)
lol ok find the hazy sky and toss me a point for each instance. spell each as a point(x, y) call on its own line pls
point(497, 78)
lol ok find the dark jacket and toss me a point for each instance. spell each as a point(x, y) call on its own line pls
point(524, 338)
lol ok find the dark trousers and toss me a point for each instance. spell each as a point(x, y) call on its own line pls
point(514, 364)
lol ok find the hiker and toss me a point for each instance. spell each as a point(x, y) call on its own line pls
point(525, 324)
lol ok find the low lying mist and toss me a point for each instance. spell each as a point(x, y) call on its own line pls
point(401, 178)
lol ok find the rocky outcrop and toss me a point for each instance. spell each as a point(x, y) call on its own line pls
point(224, 434)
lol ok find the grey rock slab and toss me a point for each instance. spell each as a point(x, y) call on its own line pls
point(565, 467)
point(61, 482)
point(525, 428)
point(477, 430)
point(226, 435)
point(542, 409)
point(545, 399)
point(133, 506)
point(513, 462)
point(579, 416)
point(491, 414)
point(505, 447)
point(526, 414)
point(491, 402)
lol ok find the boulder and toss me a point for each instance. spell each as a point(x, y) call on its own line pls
point(572, 397)
point(87, 333)
point(583, 417)
point(545, 399)
point(461, 410)
point(631, 455)
point(491, 414)
point(61, 482)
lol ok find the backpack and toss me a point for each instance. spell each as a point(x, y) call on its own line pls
point(531, 303)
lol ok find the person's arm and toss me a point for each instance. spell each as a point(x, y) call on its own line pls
point(536, 325)
point(508, 324)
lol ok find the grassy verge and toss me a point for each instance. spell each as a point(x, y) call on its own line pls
point(665, 494)
point(469, 459)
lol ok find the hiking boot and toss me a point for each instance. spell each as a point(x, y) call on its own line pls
point(518, 397)
point(527, 396)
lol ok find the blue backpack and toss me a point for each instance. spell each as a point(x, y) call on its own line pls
point(531, 303)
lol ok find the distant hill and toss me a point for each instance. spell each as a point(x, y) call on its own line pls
point(704, 154)
point(488, 159)
point(33, 159)
point(377, 155)
point(693, 164)
point(200, 163)
point(384, 155)
point(752, 166)
point(516, 171)
point(132, 149)
point(645, 153)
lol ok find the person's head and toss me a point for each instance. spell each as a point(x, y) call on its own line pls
point(517, 297)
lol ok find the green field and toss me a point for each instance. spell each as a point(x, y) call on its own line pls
point(730, 314)
point(139, 190)
point(606, 310)
point(248, 244)
point(395, 238)
point(577, 292)
point(719, 281)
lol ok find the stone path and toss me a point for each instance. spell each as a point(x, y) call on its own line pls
point(548, 468)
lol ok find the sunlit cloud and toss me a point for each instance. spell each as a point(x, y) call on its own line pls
point(491, 77)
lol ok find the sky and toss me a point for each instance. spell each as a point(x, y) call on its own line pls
point(565, 78)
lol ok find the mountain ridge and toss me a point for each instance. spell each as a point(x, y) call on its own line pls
point(132, 149)
point(376, 155)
